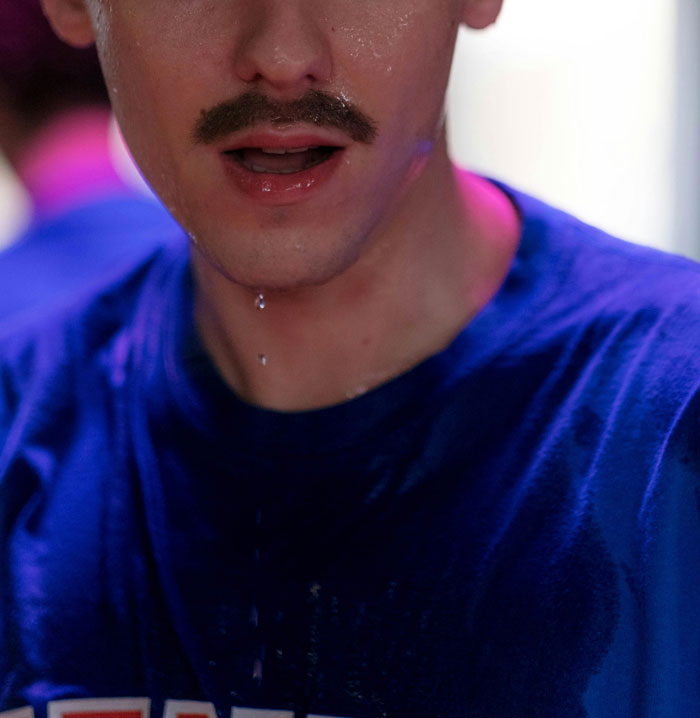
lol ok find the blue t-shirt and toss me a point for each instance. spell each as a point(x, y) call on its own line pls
point(511, 528)
point(64, 254)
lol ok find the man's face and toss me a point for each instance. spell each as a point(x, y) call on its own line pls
point(209, 93)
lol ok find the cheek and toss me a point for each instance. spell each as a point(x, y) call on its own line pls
point(141, 104)
point(398, 55)
point(149, 78)
point(389, 35)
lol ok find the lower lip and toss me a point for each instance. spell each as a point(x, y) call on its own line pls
point(282, 189)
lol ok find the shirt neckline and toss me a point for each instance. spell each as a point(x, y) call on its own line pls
point(190, 385)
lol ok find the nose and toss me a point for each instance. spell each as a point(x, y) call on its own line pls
point(285, 48)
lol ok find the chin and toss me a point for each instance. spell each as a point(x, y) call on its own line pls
point(264, 264)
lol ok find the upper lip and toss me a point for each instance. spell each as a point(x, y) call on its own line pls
point(291, 139)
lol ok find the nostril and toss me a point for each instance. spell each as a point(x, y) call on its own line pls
point(286, 49)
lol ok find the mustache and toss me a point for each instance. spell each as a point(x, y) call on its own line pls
point(252, 108)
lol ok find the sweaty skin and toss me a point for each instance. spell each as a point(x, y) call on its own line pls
point(367, 266)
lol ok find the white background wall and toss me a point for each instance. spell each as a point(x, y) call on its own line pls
point(575, 102)
point(687, 128)
point(593, 106)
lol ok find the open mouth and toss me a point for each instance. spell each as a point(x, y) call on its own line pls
point(281, 161)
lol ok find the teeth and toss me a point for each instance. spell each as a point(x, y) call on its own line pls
point(266, 170)
point(282, 151)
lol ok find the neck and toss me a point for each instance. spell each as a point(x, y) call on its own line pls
point(420, 282)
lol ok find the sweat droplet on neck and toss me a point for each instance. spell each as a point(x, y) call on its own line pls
point(259, 304)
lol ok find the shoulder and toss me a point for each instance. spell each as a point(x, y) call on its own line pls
point(563, 241)
point(588, 276)
point(47, 358)
point(62, 376)
point(607, 319)
point(70, 252)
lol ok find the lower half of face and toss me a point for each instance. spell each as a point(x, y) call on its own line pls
point(276, 205)
point(320, 222)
